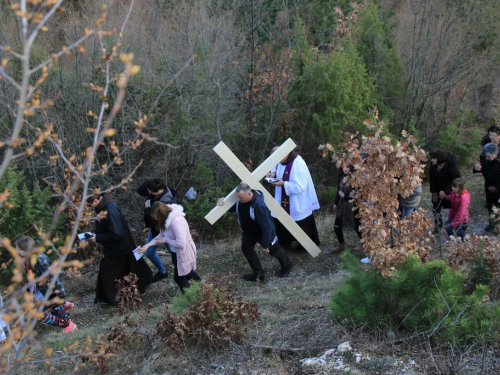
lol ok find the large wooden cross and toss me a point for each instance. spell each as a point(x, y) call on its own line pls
point(253, 180)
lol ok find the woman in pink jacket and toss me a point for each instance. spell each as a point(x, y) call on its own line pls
point(459, 212)
point(170, 220)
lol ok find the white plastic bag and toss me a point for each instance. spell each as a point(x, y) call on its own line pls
point(191, 194)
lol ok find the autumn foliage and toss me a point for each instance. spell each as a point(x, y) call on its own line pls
point(462, 254)
point(382, 169)
point(216, 315)
point(128, 296)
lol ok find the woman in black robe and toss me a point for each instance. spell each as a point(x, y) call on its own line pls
point(118, 245)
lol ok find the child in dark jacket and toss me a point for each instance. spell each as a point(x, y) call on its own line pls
point(54, 314)
point(459, 212)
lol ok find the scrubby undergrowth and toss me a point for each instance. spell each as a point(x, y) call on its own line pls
point(295, 321)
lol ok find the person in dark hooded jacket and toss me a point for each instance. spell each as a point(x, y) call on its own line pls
point(257, 226)
point(156, 191)
point(113, 233)
point(489, 166)
point(443, 171)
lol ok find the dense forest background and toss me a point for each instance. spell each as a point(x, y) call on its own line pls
point(106, 96)
point(252, 73)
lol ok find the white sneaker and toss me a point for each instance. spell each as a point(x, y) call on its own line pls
point(366, 260)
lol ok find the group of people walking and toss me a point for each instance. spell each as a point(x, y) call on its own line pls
point(447, 188)
point(167, 225)
point(294, 191)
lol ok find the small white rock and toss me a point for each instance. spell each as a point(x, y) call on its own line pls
point(328, 353)
point(344, 347)
point(313, 362)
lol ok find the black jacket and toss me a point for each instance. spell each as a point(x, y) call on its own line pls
point(490, 171)
point(347, 193)
point(485, 140)
point(260, 224)
point(112, 231)
point(441, 181)
point(168, 196)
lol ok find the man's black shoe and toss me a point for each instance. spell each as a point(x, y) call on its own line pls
point(249, 277)
point(299, 249)
point(489, 228)
point(253, 277)
point(159, 276)
point(286, 271)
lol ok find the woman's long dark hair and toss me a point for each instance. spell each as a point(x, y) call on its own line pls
point(342, 174)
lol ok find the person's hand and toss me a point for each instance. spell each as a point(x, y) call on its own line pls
point(220, 202)
point(280, 182)
point(271, 174)
point(435, 197)
point(147, 203)
point(31, 283)
point(335, 208)
point(143, 249)
point(265, 251)
point(492, 189)
point(442, 194)
point(478, 167)
point(341, 193)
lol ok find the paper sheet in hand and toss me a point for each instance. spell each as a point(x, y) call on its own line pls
point(81, 236)
point(137, 254)
point(271, 180)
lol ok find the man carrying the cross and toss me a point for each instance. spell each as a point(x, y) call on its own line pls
point(296, 194)
point(256, 224)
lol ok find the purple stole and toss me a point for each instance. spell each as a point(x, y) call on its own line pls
point(285, 199)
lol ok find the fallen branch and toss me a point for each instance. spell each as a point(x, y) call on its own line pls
point(293, 350)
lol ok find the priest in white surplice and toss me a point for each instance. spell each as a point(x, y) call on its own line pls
point(296, 194)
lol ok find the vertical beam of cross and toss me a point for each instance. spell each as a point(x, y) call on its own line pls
point(253, 180)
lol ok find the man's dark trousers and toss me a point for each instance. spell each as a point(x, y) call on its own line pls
point(247, 246)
